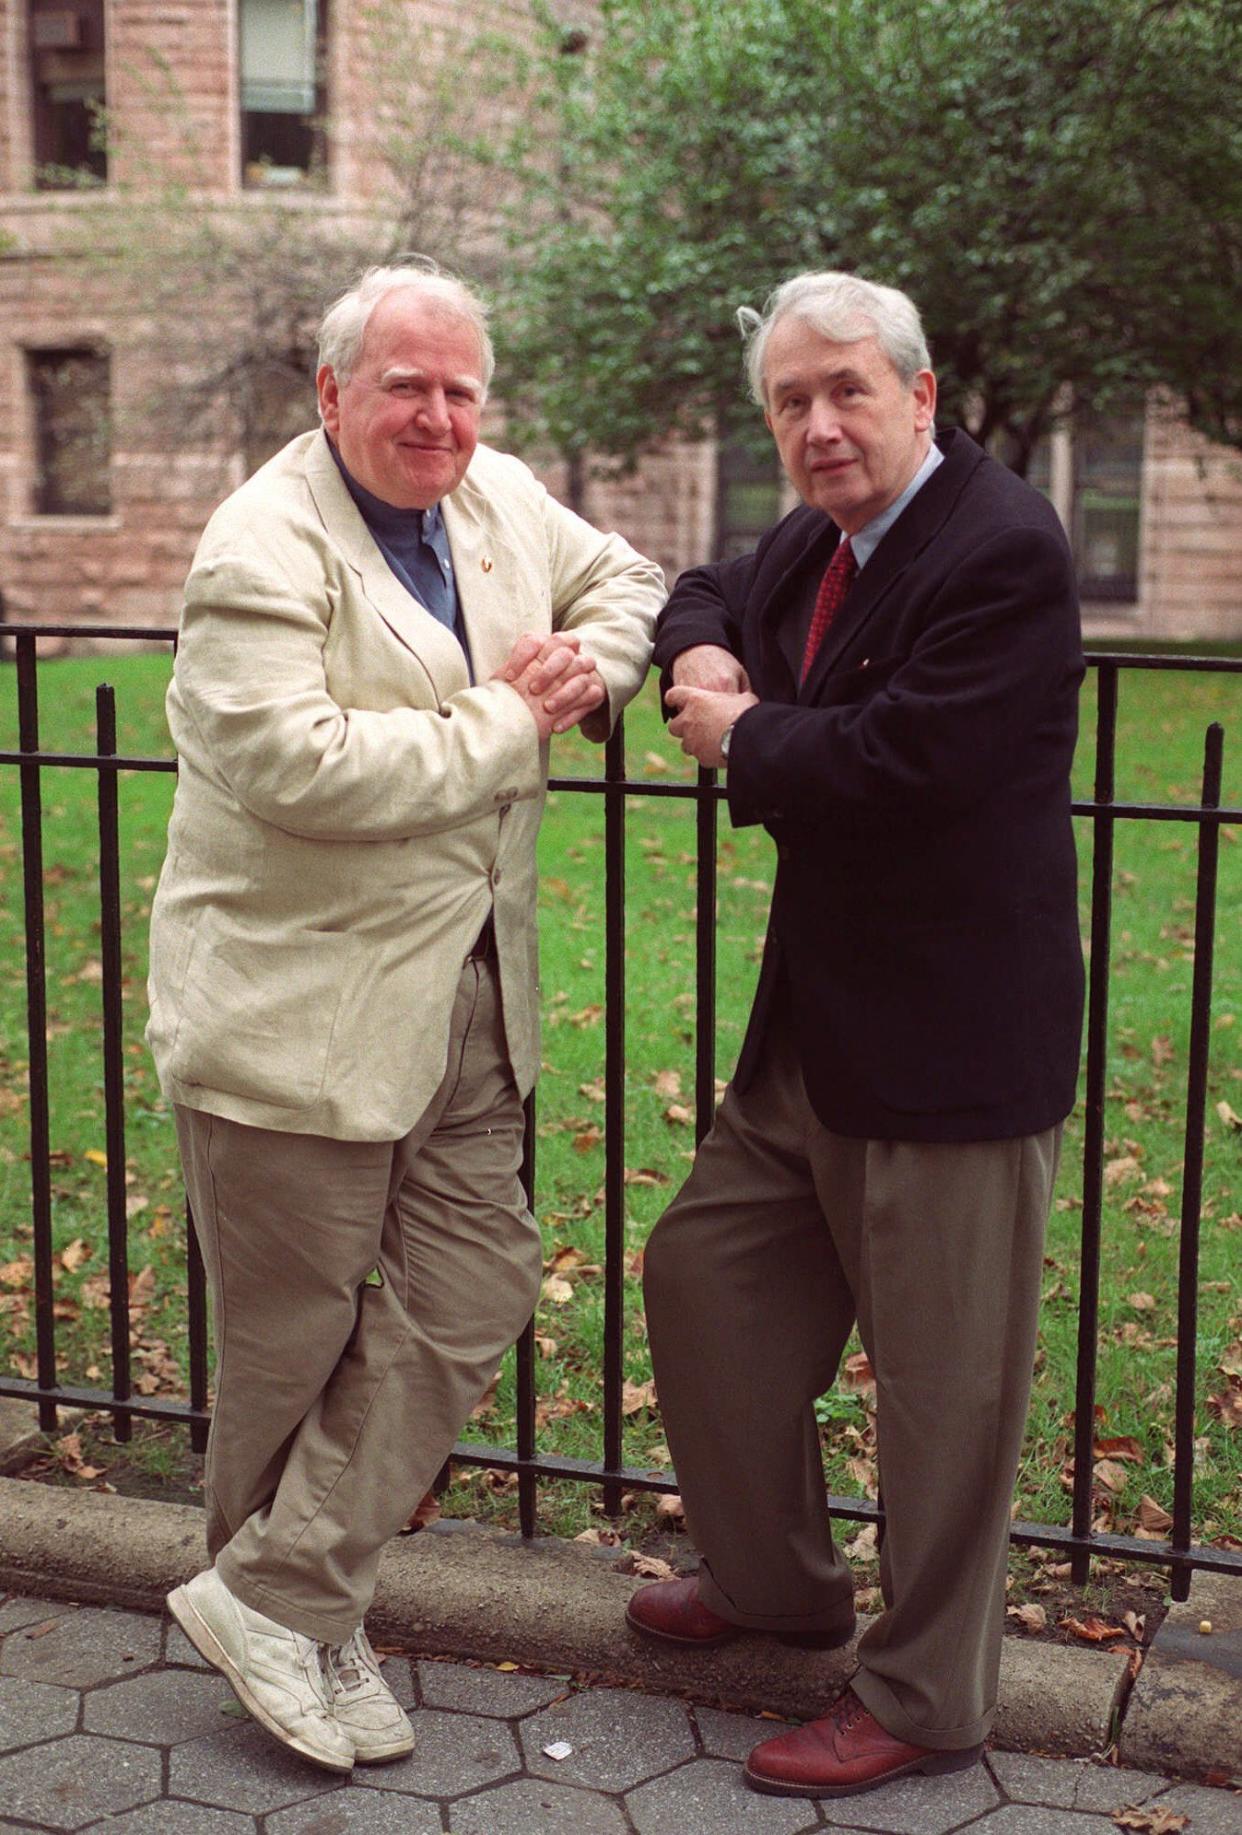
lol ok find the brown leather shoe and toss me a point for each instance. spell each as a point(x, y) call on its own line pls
point(672, 1612)
point(846, 1752)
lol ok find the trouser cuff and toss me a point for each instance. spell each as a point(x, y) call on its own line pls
point(878, 1698)
point(834, 1619)
point(324, 1629)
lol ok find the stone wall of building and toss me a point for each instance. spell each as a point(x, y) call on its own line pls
point(174, 98)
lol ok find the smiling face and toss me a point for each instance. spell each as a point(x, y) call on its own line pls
point(850, 433)
point(406, 422)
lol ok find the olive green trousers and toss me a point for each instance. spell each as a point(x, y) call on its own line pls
point(782, 1238)
point(362, 1296)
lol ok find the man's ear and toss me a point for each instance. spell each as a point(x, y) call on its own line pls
point(329, 398)
point(923, 389)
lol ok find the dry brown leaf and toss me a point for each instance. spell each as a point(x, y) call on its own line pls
point(1227, 1406)
point(1092, 1630)
point(1150, 1821)
point(563, 1259)
point(595, 1091)
point(1112, 1475)
point(74, 1254)
point(1229, 1116)
point(679, 1114)
point(599, 1538)
point(1030, 1617)
point(1162, 1050)
point(637, 1396)
point(1117, 1171)
point(1154, 1522)
point(427, 1512)
point(586, 1016)
point(666, 1083)
point(1141, 1302)
point(671, 1508)
point(648, 1567)
point(856, 1372)
point(17, 1274)
point(588, 1138)
point(557, 1290)
point(1121, 1446)
point(863, 1545)
point(544, 1345)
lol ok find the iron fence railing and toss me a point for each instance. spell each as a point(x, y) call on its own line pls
point(1078, 1541)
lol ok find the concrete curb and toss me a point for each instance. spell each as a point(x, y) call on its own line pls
point(462, 1591)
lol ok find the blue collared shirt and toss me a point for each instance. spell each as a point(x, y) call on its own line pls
point(872, 533)
point(415, 544)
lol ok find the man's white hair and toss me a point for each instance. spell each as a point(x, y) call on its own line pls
point(844, 308)
point(344, 324)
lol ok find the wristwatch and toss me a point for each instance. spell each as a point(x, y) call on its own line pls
point(725, 739)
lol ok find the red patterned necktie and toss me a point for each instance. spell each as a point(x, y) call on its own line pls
point(837, 580)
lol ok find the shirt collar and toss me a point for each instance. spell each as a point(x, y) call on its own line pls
point(388, 517)
point(869, 537)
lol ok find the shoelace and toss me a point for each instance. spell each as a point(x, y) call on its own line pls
point(348, 1662)
point(846, 1709)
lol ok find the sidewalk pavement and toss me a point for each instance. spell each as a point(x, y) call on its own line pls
point(110, 1720)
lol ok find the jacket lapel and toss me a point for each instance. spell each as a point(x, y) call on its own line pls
point(487, 591)
point(919, 523)
point(435, 646)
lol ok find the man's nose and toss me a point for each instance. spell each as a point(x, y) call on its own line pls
point(823, 422)
point(433, 410)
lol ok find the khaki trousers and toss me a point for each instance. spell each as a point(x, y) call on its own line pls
point(340, 1390)
point(782, 1237)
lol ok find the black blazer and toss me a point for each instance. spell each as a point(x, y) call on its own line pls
point(925, 914)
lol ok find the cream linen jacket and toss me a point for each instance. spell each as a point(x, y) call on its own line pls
point(349, 808)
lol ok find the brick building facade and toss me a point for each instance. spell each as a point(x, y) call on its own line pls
point(101, 505)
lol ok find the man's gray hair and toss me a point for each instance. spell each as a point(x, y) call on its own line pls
point(344, 324)
point(843, 308)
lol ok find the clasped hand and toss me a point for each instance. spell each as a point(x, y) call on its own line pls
point(710, 690)
point(558, 682)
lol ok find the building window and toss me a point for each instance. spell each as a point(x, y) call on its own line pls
point(1092, 469)
point(748, 493)
point(283, 56)
point(70, 391)
point(67, 72)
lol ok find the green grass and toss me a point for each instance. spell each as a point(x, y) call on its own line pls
point(1160, 751)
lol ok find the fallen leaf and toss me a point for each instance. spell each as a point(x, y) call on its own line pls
point(671, 1508)
point(1150, 1821)
point(1111, 1474)
point(589, 1137)
point(1118, 1170)
point(679, 1114)
point(595, 1091)
point(1141, 1302)
point(1091, 1630)
point(1121, 1446)
point(856, 1372)
point(644, 1175)
point(586, 1016)
point(546, 1346)
point(863, 1545)
point(599, 1538)
point(1229, 1116)
point(1227, 1406)
point(636, 1396)
point(557, 1290)
point(427, 1512)
point(1162, 1050)
point(648, 1567)
point(95, 1156)
point(1154, 1522)
point(1030, 1617)
point(74, 1254)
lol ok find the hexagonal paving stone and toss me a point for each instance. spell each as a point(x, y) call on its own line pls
point(618, 1739)
point(244, 1769)
point(1040, 1819)
point(486, 1691)
point(76, 1780)
point(1211, 1812)
point(708, 1796)
point(1071, 1783)
point(733, 1736)
point(162, 1709)
point(31, 1612)
point(363, 1810)
point(916, 1805)
point(32, 1711)
point(455, 1753)
point(533, 1806)
point(179, 1650)
point(180, 1819)
point(92, 1644)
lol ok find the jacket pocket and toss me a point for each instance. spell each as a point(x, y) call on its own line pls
point(258, 1014)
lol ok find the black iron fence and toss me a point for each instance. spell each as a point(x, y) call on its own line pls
point(1078, 1540)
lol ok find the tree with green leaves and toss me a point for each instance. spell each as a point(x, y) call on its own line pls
point(1060, 189)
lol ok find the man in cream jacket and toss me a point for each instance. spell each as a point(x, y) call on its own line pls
point(383, 629)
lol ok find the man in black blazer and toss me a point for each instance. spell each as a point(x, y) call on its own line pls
point(891, 682)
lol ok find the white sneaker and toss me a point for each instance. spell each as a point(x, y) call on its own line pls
point(276, 1674)
point(365, 1707)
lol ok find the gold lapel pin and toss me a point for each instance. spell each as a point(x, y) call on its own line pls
point(486, 563)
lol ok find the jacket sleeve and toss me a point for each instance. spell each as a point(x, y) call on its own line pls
point(608, 593)
point(705, 607)
point(925, 737)
point(250, 704)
